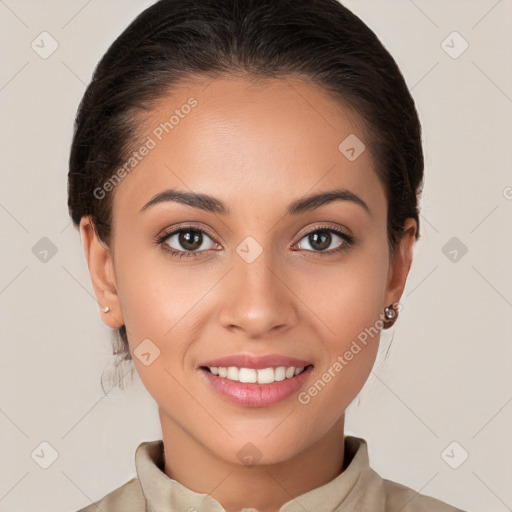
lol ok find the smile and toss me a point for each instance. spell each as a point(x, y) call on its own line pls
point(252, 387)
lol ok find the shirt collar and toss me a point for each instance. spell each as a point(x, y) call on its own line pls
point(358, 487)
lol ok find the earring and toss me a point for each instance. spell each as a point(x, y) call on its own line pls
point(106, 309)
point(390, 315)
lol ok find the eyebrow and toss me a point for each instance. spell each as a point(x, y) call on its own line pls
point(211, 204)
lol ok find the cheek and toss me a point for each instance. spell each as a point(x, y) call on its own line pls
point(351, 305)
point(155, 292)
point(349, 297)
point(163, 302)
point(158, 304)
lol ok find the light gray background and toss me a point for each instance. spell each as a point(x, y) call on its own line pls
point(448, 375)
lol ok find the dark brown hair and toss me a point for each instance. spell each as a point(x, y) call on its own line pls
point(173, 40)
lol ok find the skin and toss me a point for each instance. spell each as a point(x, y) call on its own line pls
point(257, 147)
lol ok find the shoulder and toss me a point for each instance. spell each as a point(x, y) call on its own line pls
point(128, 498)
point(405, 499)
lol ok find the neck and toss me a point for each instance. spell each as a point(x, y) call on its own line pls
point(263, 487)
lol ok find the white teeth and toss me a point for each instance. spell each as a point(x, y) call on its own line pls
point(266, 376)
point(251, 375)
point(248, 375)
point(280, 373)
point(232, 373)
point(290, 372)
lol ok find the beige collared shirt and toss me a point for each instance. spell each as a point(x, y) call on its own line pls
point(357, 489)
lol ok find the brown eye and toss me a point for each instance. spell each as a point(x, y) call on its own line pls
point(186, 240)
point(320, 240)
point(190, 240)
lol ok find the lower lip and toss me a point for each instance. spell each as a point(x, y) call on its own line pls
point(253, 394)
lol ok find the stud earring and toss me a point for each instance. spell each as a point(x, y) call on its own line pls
point(390, 313)
point(390, 316)
point(106, 309)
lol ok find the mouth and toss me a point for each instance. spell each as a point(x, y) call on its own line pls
point(255, 387)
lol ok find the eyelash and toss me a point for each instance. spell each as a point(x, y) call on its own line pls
point(160, 240)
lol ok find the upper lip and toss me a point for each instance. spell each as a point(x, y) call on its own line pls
point(257, 362)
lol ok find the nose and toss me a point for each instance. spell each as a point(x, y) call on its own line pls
point(258, 299)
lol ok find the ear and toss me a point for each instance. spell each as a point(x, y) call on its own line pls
point(101, 270)
point(400, 263)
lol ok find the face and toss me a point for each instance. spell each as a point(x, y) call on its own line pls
point(264, 273)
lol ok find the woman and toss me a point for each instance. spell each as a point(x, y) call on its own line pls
point(245, 177)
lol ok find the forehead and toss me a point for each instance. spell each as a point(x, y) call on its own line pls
point(241, 140)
